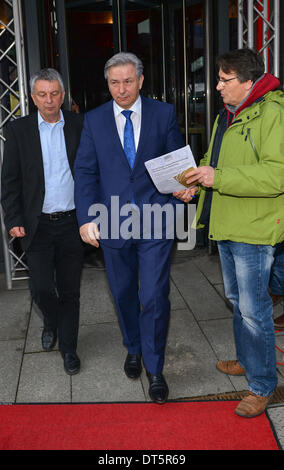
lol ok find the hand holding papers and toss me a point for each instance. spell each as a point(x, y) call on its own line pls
point(181, 178)
point(168, 171)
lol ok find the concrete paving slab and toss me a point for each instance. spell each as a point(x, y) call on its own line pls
point(210, 267)
point(276, 415)
point(176, 299)
point(11, 353)
point(279, 340)
point(36, 318)
point(14, 314)
point(43, 379)
point(96, 305)
point(200, 296)
point(190, 361)
point(102, 378)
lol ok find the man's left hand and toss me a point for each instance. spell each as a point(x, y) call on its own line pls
point(204, 175)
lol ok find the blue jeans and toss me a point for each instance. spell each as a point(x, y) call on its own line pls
point(246, 272)
point(276, 282)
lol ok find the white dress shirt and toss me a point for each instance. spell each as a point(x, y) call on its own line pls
point(135, 117)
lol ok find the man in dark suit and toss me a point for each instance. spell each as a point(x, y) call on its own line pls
point(117, 139)
point(38, 203)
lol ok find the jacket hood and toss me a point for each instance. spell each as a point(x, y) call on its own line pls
point(263, 85)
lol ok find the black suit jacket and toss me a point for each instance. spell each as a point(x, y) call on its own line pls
point(22, 179)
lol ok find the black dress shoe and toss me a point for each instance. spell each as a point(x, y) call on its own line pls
point(132, 366)
point(48, 339)
point(158, 389)
point(71, 363)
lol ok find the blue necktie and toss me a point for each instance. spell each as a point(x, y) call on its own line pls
point(129, 144)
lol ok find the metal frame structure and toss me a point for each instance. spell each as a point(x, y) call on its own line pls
point(259, 28)
point(13, 103)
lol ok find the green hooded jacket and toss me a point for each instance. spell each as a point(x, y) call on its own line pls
point(248, 191)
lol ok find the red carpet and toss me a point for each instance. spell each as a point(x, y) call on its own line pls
point(133, 426)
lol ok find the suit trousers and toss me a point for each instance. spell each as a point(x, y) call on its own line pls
point(138, 275)
point(55, 259)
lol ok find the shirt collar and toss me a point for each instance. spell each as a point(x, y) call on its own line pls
point(136, 107)
point(41, 121)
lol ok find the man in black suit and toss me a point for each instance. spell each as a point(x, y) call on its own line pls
point(38, 203)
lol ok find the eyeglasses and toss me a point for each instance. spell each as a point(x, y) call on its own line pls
point(224, 81)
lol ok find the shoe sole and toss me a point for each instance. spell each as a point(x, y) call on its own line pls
point(49, 349)
point(249, 416)
point(72, 372)
point(134, 376)
point(228, 373)
point(157, 401)
point(256, 414)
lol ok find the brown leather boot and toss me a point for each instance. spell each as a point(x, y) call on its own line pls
point(276, 299)
point(252, 405)
point(230, 367)
point(279, 323)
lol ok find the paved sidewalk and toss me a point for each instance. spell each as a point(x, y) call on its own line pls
point(200, 333)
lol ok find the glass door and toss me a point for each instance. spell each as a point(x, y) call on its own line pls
point(142, 25)
point(195, 76)
point(185, 83)
point(91, 42)
point(170, 39)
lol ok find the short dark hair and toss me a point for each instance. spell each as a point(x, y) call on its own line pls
point(246, 63)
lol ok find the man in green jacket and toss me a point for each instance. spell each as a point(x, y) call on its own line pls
point(241, 187)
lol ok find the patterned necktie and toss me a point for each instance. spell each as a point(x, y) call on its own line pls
point(129, 144)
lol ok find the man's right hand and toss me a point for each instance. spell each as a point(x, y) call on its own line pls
point(90, 234)
point(17, 232)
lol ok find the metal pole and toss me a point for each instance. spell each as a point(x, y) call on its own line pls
point(208, 68)
point(277, 38)
point(250, 24)
point(185, 73)
point(63, 50)
point(19, 64)
point(240, 24)
point(17, 13)
point(164, 96)
point(119, 26)
point(265, 36)
point(6, 254)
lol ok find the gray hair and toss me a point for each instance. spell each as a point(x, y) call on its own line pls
point(46, 74)
point(124, 58)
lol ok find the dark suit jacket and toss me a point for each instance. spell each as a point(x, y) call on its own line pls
point(101, 168)
point(22, 180)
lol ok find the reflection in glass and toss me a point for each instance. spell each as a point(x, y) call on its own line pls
point(168, 36)
point(185, 61)
point(90, 36)
point(195, 46)
point(143, 22)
